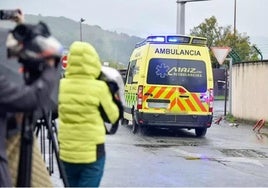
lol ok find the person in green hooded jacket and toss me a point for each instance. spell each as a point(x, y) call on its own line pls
point(81, 127)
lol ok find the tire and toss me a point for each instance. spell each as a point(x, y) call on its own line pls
point(200, 132)
point(124, 121)
point(144, 129)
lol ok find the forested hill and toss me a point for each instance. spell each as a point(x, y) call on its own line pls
point(111, 45)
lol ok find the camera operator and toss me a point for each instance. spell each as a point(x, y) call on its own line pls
point(25, 98)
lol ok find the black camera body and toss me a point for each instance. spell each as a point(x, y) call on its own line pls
point(32, 45)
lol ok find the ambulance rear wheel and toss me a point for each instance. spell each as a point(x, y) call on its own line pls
point(201, 131)
point(144, 129)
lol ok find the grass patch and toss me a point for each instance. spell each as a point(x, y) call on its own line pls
point(230, 118)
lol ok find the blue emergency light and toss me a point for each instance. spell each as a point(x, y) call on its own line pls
point(199, 41)
point(173, 39)
point(155, 39)
point(178, 39)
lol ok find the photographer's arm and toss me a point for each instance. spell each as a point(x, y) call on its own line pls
point(14, 98)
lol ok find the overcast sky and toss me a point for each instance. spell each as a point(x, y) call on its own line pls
point(145, 17)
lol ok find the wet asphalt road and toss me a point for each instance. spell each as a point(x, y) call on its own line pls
point(228, 156)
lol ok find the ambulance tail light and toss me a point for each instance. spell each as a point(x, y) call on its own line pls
point(139, 97)
point(210, 99)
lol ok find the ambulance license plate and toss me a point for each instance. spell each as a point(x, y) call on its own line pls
point(157, 105)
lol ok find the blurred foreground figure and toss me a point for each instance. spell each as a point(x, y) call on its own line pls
point(38, 52)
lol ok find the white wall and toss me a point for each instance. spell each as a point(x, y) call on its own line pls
point(250, 90)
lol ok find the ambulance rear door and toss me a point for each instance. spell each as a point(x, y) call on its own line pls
point(176, 86)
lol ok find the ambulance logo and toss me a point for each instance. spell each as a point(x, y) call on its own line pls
point(162, 70)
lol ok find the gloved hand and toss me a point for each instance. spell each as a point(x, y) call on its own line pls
point(114, 91)
point(112, 86)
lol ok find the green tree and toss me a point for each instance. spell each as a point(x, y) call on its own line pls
point(223, 36)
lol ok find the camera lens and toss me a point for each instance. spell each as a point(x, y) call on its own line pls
point(21, 32)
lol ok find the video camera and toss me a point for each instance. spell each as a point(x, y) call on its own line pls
point(31, 44)
point(9, 14)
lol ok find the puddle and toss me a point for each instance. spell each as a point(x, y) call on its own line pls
point(225, 160)
point(157, 145)
point(250, 153)
point(180, 143)
point(163, 144)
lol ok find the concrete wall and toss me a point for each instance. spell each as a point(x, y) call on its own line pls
point(250, 90)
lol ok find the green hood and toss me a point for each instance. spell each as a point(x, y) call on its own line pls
point(83, 61)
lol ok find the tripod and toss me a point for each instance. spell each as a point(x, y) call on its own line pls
point(42, 125)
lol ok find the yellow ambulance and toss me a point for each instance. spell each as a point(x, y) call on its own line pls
point(169, 84)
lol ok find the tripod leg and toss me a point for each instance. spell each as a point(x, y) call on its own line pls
point(43, 140)
point(51, 166)
point(48, 122)
point(37, 128)
point(26, 148)
point(53, 123)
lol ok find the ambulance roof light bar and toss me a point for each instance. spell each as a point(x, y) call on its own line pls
point(172, 39)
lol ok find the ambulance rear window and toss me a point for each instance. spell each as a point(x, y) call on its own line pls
point(190, 74)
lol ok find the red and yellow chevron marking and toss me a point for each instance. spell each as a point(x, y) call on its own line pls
point(183, 104)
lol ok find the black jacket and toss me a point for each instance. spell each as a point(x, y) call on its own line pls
point(14, 98)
